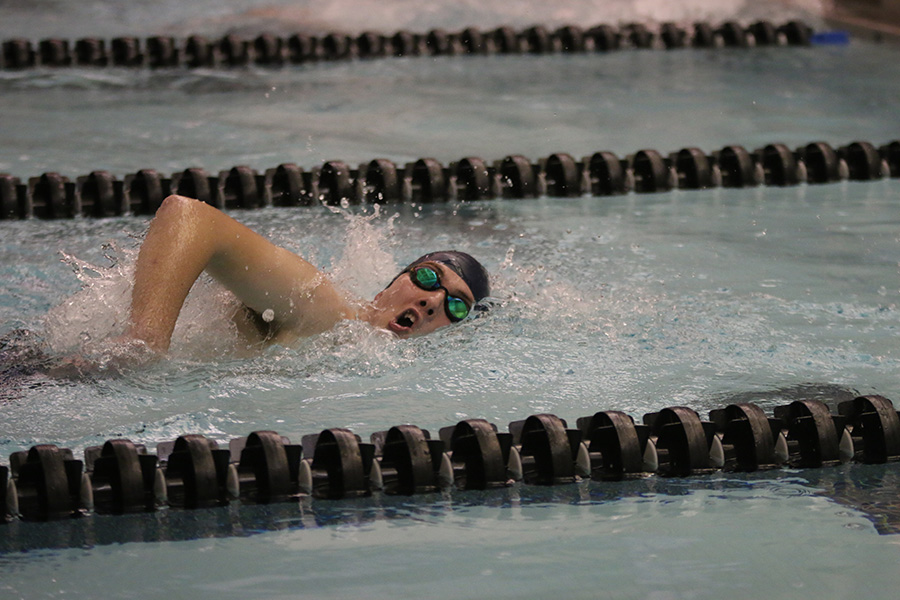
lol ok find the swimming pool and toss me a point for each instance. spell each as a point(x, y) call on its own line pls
point(632, 303)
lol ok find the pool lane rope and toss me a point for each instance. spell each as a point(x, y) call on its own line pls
point(47, 483)
point(100, 194)
point(271, 51)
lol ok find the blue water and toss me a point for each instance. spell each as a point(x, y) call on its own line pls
point(632, 303)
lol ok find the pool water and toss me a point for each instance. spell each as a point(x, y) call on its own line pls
point(74, 121)
point(630, 303)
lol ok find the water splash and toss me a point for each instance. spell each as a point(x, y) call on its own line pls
point(90, 321)
point(366, 264)
point(99, 310)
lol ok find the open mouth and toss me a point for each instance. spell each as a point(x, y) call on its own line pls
point(405, 321)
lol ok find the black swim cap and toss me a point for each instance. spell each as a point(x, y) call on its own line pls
point(464, 265)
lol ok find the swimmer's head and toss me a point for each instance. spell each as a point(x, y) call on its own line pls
point(435, 290)
point(464, 265)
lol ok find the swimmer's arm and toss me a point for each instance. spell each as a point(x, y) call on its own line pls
point(187, 237)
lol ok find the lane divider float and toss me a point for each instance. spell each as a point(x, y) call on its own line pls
point(267, 50)
point(47, 483)
point(101, 194)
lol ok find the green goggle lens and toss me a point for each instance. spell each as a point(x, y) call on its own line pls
point(456, 308)
point(428, 279)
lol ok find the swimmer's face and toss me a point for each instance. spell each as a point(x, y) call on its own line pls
point(407, 310)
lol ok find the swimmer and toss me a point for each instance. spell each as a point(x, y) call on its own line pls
point(286, 297)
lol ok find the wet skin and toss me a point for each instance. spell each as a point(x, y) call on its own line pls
point(407, 310)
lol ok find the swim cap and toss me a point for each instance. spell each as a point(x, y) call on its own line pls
point(464, 265)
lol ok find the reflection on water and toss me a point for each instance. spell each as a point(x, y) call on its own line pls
point(869, 490)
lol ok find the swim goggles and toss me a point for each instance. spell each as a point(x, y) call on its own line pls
point(428, 279)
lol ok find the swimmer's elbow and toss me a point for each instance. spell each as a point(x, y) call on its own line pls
point(180, 216)
point(176, 204)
